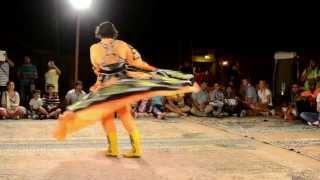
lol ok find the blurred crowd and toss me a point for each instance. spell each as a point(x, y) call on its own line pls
point(238, 97)
point(25, 100)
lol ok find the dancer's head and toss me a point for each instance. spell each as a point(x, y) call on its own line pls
point(106, 30)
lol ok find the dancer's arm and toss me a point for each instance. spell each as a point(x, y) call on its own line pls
point(93, 60)
point(134, 59)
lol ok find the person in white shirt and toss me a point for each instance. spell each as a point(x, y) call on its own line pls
point(5, 65)
point(75, 94)
point(265, 105)
point(36, 105)
point(10, 102)
point(264, 94)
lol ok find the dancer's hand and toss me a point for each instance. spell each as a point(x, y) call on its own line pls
point(161, 72)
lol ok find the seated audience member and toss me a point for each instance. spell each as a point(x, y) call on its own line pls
point(242, 91)
point(133, 109)
point(36, 106)
point(232, 105)
point(142, 108)
point(265, 105)
point(176, 105)
point(188, 99)
point(307, 100)
point(312, 93)
point(312, 118)
point(10, 102)
point(200, 102)
point(51, 102)
point(250, 97)
point(157, 106)
point(75, 94)
point(289, 110)
point(216, 98)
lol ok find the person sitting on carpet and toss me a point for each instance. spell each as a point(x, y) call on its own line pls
point(289, 109)
point(216, 97)
point(232, 104)
point(264, 105)
point(157, 106)
point(313, 118)
point(176, 106)
point(143, 108)
point(200, 102)
point(36, 106)
point(250, 97)
point(75, 94)
point(51, 102)
point(10, 102)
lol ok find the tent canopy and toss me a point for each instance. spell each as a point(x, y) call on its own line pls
point(284, 55)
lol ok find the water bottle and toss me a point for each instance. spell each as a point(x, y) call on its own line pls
point(283, 88)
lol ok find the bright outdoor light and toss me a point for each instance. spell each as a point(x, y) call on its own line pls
point(225, 63)
point(81, 4)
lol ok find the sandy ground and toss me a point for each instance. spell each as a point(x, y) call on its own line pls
point(179, 149)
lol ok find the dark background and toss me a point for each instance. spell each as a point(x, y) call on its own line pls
point(163, 31)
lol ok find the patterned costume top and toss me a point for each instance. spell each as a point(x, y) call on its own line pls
point(122, 78)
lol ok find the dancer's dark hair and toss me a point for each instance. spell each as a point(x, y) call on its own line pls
point(106, 30)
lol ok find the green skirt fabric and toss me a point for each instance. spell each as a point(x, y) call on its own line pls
point(161, 79)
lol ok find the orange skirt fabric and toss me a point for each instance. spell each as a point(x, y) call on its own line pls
point(116, 93)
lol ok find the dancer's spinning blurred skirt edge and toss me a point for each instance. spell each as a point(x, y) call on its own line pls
point(122, 79)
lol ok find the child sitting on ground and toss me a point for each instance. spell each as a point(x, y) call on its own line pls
point(36, 106)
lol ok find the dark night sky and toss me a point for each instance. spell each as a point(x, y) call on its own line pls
point(162, 30)
point(46, 29)
point(51, 24)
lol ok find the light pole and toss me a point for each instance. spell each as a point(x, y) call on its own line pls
point(79, 5)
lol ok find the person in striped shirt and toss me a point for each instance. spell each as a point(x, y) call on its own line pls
point(5, 65)
point(51, 102)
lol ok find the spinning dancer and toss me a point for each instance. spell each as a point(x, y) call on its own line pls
point(122, 78)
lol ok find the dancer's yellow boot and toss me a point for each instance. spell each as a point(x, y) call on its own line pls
point(136, 147)
point(113, 145)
